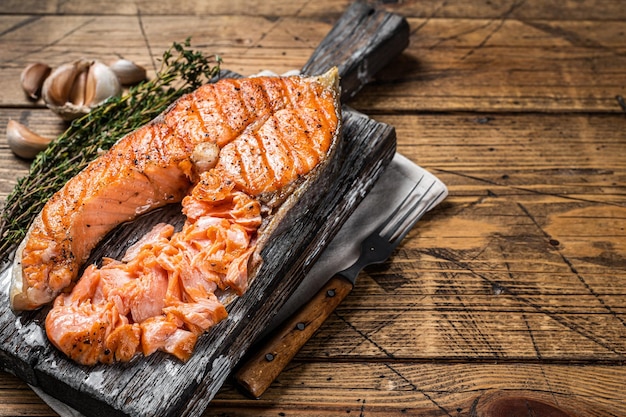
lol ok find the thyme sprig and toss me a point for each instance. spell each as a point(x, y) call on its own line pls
point(182, 71)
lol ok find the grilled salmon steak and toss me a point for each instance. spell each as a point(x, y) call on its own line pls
point(234, 153)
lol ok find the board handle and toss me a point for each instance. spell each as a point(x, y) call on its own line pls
point(361, 43)
point(272, 355)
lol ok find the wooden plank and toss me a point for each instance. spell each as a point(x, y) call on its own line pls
point(434, 303)
point(322, 388)
point(409, 388)
point(504, 9)
point(495, 9)
point(484, 65)
point(555, 149)
point(326, 8)
point(450, 65)
point(19, 399)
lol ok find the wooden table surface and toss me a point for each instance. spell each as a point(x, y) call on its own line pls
point(508, 299)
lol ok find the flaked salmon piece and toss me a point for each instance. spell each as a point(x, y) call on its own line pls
point(160, 296)
point(198, 316)
point(163, 333)
point(164, 287)
point(159, 234)
point(92, 331)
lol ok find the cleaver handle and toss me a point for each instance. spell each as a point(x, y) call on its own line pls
point(273, 354)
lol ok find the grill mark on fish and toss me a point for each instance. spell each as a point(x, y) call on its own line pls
point(247, 111)
point(275, 94)
point(279, 153)
point(231, 119)
point(311, 124)
point(261, 153)
point(253, 96)
point(295, 154)
point(196, 113)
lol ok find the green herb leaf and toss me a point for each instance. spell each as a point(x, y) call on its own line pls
point(182, 71)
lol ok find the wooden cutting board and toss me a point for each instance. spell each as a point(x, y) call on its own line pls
point(360, 44)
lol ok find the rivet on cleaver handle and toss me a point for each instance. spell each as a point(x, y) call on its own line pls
point(258, 372)
point(361, 43)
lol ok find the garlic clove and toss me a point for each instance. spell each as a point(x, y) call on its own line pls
point(102, 83)
point(33, 77)
point(58, 86)
point(24, 142)
point(128, 72)
point(77, 92)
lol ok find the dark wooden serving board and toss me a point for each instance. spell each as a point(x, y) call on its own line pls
point(361, 43)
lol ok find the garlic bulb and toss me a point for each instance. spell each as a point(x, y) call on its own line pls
point(127, 71)
point(23, 141)
point(73, 89)
point(32, 78)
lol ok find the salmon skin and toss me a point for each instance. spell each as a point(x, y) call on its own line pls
point(237, 153)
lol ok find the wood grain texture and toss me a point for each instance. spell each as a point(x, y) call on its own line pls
point(418, 389)
point(509, 65)
point(324, 9)
point(403, 388)
point(510, 295)
point(452, 64)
